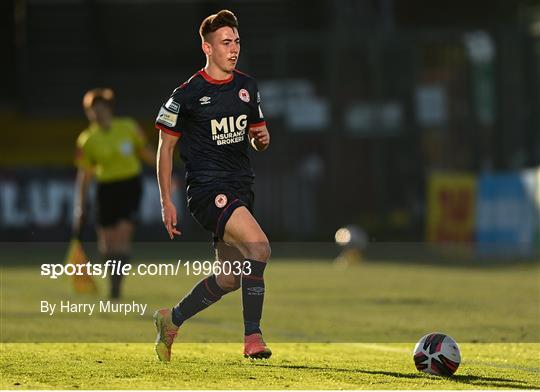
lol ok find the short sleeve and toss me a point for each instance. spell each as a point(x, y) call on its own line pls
point(83, 159)
point(256, 117)
point(170, 116)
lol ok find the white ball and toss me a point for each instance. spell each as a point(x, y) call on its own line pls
point(351, 236)
point(437, 353)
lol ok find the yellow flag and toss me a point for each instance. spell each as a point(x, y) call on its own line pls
point(82, 284)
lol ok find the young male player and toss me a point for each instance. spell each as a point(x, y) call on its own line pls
point(216, 115)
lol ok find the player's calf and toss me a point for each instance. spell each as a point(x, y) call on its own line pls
point(204, 294)
point(245, 234)
point(253, 289)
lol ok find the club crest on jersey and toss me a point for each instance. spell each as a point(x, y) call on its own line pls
point(221, 200)
point(205, 100)
point(244, 95)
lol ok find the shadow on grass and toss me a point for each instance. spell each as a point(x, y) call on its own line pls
point(464, 379)
point(491, 381)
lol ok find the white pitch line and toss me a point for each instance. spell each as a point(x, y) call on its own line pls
point(382, 347)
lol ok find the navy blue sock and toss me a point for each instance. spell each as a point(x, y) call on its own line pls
point(253, 296)
point(204, 294)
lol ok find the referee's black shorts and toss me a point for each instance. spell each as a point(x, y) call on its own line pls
point(118, 200)
point(213, 204)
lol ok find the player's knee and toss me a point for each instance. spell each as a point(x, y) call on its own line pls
point(228, 282)
point(230, 286)
point(259, 250)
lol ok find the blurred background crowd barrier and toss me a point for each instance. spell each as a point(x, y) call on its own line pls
point(415, 120)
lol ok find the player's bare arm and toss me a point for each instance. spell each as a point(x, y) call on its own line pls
point(164, 171)
point(84, 177)
point(259, 138)
point(145, 153)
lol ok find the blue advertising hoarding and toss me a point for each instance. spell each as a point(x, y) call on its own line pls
point(508, 214)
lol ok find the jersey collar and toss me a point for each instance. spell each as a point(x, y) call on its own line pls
point(211, 80)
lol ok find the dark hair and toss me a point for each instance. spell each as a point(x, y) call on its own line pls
point(223, 18)
point(105, 95)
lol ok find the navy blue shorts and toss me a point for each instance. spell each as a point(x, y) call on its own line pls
point(211, 205)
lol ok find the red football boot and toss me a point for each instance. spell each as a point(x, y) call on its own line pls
point(255, 347)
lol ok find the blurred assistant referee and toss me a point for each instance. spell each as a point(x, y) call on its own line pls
point(110, 150)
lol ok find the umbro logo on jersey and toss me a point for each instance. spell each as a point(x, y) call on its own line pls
point(205, 100)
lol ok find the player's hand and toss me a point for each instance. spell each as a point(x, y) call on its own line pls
point(168, 214)
point(261, 138)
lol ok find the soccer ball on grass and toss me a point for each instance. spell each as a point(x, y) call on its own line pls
point(437, 353)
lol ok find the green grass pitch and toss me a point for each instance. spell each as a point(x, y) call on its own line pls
point(328, 328)
point(294, 366)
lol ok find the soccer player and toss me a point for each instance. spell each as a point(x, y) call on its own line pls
point(215, 116)
point(110, 150)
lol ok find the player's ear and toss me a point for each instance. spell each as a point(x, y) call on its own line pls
point(206, 48)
